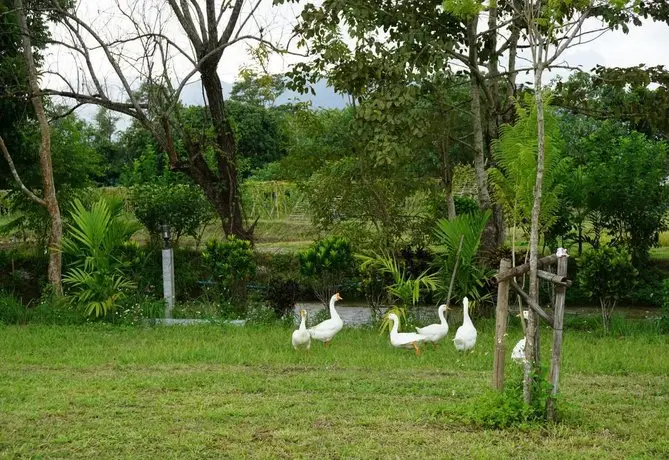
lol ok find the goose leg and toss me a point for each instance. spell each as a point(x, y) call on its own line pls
point(326, 343)
point(417, 349)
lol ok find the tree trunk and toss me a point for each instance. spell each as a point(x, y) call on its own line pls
point(495, 111)
point(606, 314)
point(446, 166)
point(532, 342)
point(46, 167)
point(490, 237)
point(221, 189)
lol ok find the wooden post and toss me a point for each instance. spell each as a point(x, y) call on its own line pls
point(501, 320)
point(558, 317)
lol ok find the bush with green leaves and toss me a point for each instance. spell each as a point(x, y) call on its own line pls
point(181, 206)
point(664, 318)
point(405, 290)
point(495, 410)
point(470, 276)
point(12, 310)
point(93, 241)
point(326, 264)
point(608, 275)
point(23, 271)
point(280, 275)
point(617, 184)
point(232, 265)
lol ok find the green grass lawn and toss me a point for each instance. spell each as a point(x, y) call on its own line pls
point(217, 392)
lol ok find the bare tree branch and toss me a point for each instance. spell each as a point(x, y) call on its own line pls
point(16, 176)
point(232, 22)
point(187, 24)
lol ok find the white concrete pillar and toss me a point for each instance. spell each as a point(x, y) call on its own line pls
point(168, 281)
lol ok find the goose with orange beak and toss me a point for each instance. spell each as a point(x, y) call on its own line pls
point(326, 330)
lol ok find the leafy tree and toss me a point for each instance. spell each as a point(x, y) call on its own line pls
point(636, 95)
point(232, 265)
point(23, 37)
point(605, 155)
point(107, 146)
point(261, 135)
point(607, 274)
point(181, 206)
point(316, 138)
point(75, 164)
point(257, 89)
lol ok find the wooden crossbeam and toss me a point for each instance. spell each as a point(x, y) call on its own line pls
point(552, 277)
point(540, 311)
point(521, 269)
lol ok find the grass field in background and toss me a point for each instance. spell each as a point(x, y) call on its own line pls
point(225, 392)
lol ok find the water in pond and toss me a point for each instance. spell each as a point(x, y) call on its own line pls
point(358, 313)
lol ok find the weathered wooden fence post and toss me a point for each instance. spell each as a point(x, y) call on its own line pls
point(558, 320)
point(501, 321)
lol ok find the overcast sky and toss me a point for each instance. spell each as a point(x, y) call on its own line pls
point(647, 44)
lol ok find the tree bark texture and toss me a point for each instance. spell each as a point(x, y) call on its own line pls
point(46, 167)
point(532, 342)
point(220, 185)
point(489, 240)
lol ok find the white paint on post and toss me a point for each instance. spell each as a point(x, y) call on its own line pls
point(168, 281)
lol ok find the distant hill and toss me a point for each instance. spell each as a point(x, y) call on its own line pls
point(325, 97)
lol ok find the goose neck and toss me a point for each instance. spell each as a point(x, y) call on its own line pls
point(465, 315)
point(333, 311)
point(442, 316)
point(395, 327)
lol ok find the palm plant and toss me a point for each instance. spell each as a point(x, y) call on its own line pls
point(405, 290)
point(458, 242)
point(92, 240)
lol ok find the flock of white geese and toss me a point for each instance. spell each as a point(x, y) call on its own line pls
point(464, 340)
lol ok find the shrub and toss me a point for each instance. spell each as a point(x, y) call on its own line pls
point(508, 409)
point(470, 277)
point(664, 318)
point(260, 314)
point(326, 264)
point(280, 273)
point(183, 207)
point(373, 285)
point(232, 265)
point(12, 310)
point(607, 274)
point(404, 291)
point(465, 205)
point(23, 272)
point(93, 240)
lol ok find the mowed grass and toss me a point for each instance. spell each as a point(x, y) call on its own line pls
point(226, 392)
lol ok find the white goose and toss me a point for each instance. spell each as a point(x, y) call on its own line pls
point(465, 336)
point(404, 339)
point(435, 332)
point(326, 330)
point(518, 353)
point(301, 337)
